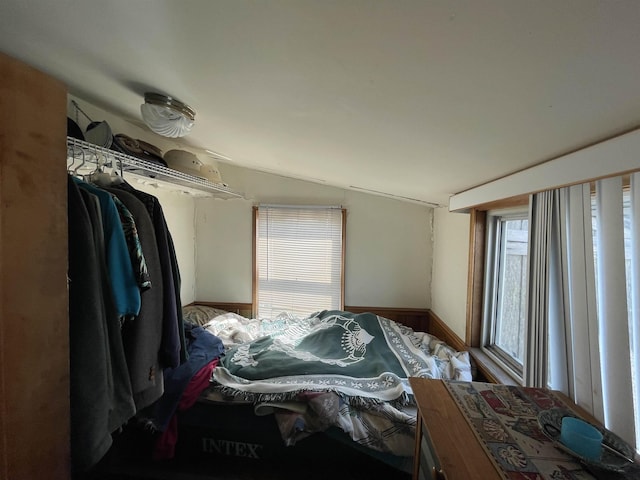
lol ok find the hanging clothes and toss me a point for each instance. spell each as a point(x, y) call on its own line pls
point(125, 324)
point(136, 253)
point(173, 351)
point(98, 397)
point(142, 336)
point(122, 405)
point(126, 293)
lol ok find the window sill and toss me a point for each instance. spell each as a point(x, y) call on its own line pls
point(490, 369)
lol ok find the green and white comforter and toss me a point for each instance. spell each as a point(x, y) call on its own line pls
point(358, 364)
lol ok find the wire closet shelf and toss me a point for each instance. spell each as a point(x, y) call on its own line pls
point(79, 151)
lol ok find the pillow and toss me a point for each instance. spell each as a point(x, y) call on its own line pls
point(200, 314)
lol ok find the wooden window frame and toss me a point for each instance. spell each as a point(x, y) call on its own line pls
point(488, 368)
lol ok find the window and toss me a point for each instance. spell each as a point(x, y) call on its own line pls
point(505, 313)
point(299, 259)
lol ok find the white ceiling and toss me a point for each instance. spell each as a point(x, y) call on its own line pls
point(417, 99)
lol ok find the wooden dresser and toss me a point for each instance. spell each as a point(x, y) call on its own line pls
point(446, 447)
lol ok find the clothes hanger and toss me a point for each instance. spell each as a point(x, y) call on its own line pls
point(73, 160)
point(75, 171)
point(102, 178)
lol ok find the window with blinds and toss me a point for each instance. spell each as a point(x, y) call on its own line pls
point(299, 259)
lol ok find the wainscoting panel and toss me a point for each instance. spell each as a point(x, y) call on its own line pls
point(441, 330)
point(416, 318)
point(244, 309)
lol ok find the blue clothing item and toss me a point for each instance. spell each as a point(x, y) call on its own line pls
point(126, 294)
point(203, 347)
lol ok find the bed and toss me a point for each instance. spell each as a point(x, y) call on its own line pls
point(305, 386)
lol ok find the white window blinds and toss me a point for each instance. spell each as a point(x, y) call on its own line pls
point(598, 346)
point(580, 317)
point(613, 315)
point(299, 259)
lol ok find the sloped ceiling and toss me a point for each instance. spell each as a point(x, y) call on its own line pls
point(415, 99)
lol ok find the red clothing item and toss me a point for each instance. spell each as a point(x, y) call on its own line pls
point(165, 447)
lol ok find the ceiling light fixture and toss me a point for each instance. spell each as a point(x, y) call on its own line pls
point(167, 116)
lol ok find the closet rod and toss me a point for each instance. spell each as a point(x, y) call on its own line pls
point(94, 154)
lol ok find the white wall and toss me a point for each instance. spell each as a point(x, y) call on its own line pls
point(389, 252)
point(388, 242)
point(179, 211)
point(450, 268)
point(223, 251)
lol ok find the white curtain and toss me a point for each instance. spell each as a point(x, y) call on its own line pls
point(557, 332)
point(613, 320)
point(540, 233)
point(584, 273)
point(634, 230)
point(580, 319)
